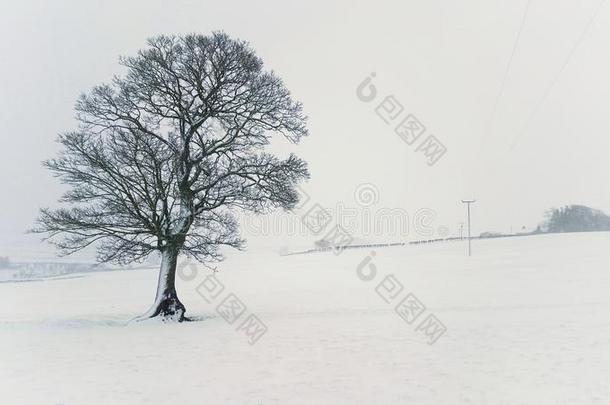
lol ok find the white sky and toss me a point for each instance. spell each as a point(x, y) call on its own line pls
point(443, 60)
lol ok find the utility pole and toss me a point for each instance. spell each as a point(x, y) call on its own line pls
point(468, 202)
point(461, 231)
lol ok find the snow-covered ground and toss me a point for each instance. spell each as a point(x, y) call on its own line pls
point(528, 322)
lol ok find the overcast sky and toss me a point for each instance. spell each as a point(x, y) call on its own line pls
point(546, 144)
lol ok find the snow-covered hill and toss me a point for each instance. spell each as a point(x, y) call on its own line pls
point(526, 323)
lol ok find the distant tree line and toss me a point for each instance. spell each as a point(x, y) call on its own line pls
point(574, 218)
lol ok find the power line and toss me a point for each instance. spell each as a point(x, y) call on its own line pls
point(506, 72)
point(546, 93)
point(490, 120)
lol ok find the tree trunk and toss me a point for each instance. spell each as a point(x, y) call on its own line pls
point(167, 306)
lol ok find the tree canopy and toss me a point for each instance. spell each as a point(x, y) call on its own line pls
point(166, 154)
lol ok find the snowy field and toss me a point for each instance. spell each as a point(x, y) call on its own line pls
point(528, 322)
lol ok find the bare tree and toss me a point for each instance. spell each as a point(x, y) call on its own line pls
point(165, 156)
